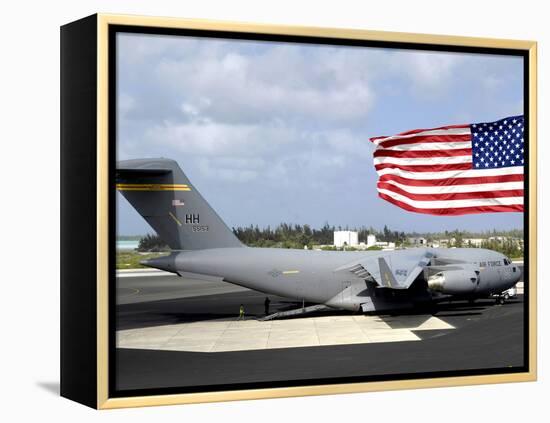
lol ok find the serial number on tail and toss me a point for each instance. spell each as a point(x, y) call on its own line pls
point(202, 228)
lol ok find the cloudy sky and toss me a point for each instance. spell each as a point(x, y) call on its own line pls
point(279, 132)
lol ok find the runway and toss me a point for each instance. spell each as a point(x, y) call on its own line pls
point(175, 332)
point(148, 285)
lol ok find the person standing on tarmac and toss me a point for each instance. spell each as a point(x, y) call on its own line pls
point(266, 305)
point(241, 312)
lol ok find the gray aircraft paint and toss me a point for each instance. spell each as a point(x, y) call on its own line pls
point(371, 280)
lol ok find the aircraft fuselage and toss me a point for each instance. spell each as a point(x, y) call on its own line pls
point(322, 276)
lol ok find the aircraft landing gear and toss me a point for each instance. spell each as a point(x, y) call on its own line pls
point(501, 299)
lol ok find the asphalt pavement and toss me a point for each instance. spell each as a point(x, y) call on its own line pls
point(470, 337)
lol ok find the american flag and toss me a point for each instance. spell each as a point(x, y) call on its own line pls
point(454, 170)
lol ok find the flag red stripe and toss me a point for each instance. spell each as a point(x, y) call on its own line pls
point(425, 168)
point(454, 211)
point(425, 139)
point(452, 181)
point(416, 131)
point(453, 195)
point(425, 154)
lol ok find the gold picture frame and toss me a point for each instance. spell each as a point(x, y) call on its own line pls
point(99, 26)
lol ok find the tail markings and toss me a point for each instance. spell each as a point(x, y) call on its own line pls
point(153, 187)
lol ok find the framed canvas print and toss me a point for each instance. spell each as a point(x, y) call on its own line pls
point(256, 211)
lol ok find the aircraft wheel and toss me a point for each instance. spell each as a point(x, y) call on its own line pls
point(506, 296)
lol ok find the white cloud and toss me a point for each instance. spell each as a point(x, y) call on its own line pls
point(221, 169)
point(431, 68)
point(287, 105)
point(430, 74)
point(243, 152)
point(228, 104)
point(278, 83)
point(208, 138)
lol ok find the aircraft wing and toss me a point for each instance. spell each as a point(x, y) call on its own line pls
point(389, 270)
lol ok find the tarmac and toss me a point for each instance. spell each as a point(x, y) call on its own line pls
point(176, 334)
point(243, 335)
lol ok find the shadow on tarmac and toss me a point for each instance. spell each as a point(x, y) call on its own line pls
point(226, 307)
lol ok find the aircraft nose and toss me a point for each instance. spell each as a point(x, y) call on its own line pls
point(166, 263)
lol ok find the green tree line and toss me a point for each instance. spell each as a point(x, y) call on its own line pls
point(287, 235)
point(508, 248)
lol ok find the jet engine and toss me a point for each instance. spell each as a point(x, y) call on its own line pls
point(454, 282)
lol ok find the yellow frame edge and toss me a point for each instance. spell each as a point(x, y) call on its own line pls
point(103, 400)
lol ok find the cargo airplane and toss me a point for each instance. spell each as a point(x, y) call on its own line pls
point(204, 247)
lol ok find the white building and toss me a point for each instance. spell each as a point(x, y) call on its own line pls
point(474, 242)
point(418, 242)
point(386, 246)
point(349, 238)
point(371, 240)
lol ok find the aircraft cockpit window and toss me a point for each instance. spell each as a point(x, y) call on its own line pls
point(507, 262)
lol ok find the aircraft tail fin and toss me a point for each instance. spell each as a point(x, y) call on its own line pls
point(162, 194)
